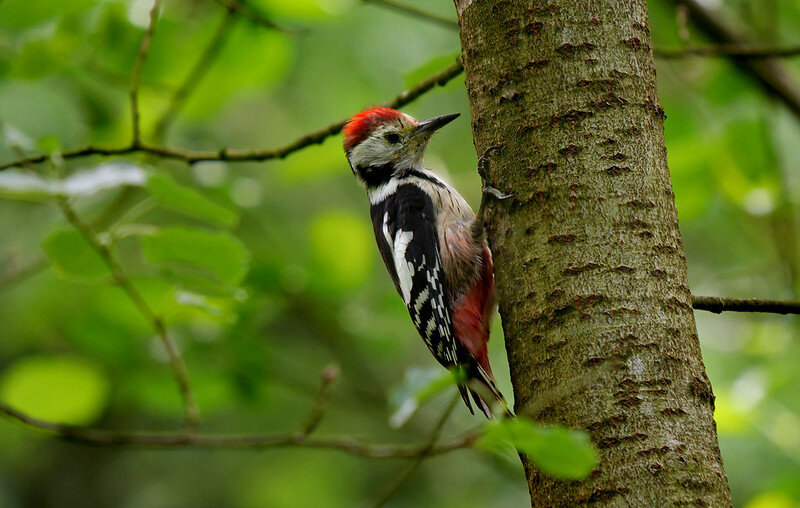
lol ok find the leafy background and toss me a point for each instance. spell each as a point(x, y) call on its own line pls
point(266, 272)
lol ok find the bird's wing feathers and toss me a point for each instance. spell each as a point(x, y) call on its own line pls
point(405, 228)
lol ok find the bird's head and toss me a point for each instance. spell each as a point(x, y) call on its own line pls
point(382, 142)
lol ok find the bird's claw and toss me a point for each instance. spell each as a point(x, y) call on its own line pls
point(488, 152)
point(491, 191)
point(483, 161)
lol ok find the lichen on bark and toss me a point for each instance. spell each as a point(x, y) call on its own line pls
point(590, 270)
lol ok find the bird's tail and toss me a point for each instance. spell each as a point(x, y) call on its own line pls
point(480, 385)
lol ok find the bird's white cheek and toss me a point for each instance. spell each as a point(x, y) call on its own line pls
point(371, 154)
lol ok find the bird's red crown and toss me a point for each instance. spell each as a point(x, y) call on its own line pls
point(358, 128)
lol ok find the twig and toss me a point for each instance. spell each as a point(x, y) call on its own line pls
point(196, 75)
point(174, 440)
point(361, 378)
point(391, 488)
point(249, 13)
point(38, 266)
point(100, 72)
point(414, 12)
point(224, 154)
point(121, 278)
point(718, 304)
point(136, 76)
point(329, 375)
point(772, 76)
point(729, 51)
point(723, 50)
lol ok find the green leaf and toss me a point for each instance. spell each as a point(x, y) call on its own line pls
point(218, 256)
point(419, 385)
point(174, 196)
point(557, 451)
point(58, 389)
point(73, 257)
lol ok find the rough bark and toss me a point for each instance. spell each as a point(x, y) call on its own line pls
point(590, 270)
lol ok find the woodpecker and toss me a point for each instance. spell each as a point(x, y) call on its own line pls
point(431, 242)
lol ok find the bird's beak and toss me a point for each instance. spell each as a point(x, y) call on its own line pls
point(427, 127)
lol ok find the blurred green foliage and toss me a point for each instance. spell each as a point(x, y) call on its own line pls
point(56, 388)
point(266, 272)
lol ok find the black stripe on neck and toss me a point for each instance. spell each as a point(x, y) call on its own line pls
point(425, 176)
point(375, 176)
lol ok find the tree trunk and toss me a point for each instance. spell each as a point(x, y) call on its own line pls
point(590, 269)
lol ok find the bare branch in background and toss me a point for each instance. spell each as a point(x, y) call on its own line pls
point(391, 488)
point(718, 304)
point(121, 278)
point(329, 375)
point(299, 439)
point(136, 75)
point(441, 78)
point(730, 51)
point(715, 304)
point(196, 75)
point(726, 50)
point(414, 12)
point(771, 75)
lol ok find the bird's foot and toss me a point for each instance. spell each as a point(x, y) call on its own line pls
point(483, 161)
point(491, 191)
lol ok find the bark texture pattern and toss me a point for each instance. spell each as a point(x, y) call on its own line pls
point(590, 270)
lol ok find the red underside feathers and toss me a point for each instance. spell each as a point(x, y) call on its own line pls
point(472, 314)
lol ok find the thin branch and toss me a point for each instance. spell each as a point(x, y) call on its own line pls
point(121, 278)
point(770, 74)
point(730, 51)
point(174, 440)
point(329, 375)
point(718, 304)
point(99, 71)
point(38, 266)
point(394, 485)
point(249, 13)
point(414, 12)
point(196, 75)
point(190, 157)
point(722, 50)
point(136, 76)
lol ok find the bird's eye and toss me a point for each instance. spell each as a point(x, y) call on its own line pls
point(392, 138)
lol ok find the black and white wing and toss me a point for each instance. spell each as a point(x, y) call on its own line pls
point(405, 228)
